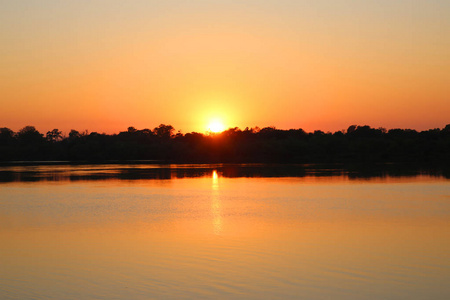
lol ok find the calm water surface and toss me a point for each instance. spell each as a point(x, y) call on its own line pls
point(213, 232)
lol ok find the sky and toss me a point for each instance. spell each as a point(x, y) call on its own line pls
point(107, 65)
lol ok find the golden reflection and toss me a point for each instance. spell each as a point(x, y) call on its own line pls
point(215, 178)
point(216, 208)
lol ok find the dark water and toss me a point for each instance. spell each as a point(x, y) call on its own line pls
point(223, 231)
point(60, 171)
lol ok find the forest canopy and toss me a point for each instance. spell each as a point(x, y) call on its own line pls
point(251, 145)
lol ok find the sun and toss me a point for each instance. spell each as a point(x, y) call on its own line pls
point(216, 126)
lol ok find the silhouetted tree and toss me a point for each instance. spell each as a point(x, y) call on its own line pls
point(351, 128)
point(74, 134)
point(446, 128)
point(6, 136)
point(29, 135)
point(54, 136)
point(164, 131)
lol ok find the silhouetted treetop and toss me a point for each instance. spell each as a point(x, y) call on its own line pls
point(54, 136)
point(164, 131)
point(6, 136)
point(29, 135)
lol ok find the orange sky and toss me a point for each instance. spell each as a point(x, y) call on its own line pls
point(106, 65)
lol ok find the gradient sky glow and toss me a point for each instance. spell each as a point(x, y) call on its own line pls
point(107, 65)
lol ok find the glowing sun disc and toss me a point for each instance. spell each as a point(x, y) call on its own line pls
point(216, 126)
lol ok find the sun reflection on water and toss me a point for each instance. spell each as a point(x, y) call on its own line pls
point(216, 208)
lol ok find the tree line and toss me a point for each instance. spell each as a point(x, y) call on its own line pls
point(359, 144)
